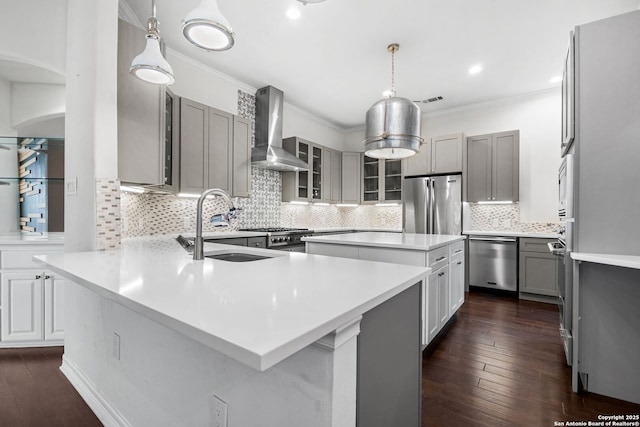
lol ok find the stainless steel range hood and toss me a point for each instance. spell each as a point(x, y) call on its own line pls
point(268, 152)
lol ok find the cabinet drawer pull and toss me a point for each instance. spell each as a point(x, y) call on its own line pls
point(459, 262)
point(38, 276)
point(458, 251)
point(441, 274)
point(47, 277)
point(441, 258)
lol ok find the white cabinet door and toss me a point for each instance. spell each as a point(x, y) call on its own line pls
point(456, 286)
point(443, 296)
point(53, 307)
point(21, 306)
point(433, 317)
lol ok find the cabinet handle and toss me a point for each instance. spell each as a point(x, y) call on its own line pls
point(459, 262)
point(47, 277)
point(458, 251)
point(441, 258)
point(441, 274)
point(38, 276)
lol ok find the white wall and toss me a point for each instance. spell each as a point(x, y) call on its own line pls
point(203, 84)
point(537, 116)
point(9, 213)
point(34, 32)
point(50, 128)
point(32, 102)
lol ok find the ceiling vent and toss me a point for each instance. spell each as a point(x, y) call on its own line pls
point(434, 99)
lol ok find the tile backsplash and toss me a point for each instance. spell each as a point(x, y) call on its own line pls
point(313, 216)
point(501, 218)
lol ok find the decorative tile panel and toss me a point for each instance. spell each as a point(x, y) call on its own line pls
point(365, 216)
point(108, 217)
point(504, 217)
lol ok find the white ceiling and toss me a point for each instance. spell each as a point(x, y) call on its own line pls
point(333, 61)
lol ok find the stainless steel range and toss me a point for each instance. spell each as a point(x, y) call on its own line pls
point(284, 239)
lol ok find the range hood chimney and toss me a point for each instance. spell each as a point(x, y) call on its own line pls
point(268, 152)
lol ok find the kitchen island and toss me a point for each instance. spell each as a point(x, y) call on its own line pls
point(155, 338)
point(443, 291)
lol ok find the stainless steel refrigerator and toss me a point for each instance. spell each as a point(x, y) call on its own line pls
point(432, 204)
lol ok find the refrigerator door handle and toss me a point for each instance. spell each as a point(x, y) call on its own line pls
point(431, 184)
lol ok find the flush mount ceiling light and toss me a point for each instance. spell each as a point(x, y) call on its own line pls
point(310, 1)
point(393, 124)
point(150, 65)
point(207, 28)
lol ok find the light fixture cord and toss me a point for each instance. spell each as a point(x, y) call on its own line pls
point(393, 72)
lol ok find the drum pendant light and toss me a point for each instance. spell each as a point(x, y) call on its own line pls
point(207, 28)
point(150, 65)
point(393, 124)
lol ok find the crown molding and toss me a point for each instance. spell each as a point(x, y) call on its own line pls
point(125, 12)
point(314, 117)
point(493, 103)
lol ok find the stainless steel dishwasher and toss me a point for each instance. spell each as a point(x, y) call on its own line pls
point(493, 262)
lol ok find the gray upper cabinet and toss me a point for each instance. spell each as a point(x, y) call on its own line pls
point(141, 121)
point(351, 177)
point(446, 153)
point(332, 175)
point(214, 150)
point(241, 157)
point(381, 180)
point(441, 154)
point(492, 167)
point(305, 186)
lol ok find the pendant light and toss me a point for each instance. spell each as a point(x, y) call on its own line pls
point(207, 28)
point(150, 65)
point(393, 124)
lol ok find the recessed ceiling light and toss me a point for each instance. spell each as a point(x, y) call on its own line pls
point(555, 79)
point(475, 69)
point(293, 12)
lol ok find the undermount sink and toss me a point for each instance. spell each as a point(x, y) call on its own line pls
point(237, 256)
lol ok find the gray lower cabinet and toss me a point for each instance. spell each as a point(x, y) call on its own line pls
point(350, 181)
point(214, 150)
point(441, 154)
point(491, 170)
point(538, 268)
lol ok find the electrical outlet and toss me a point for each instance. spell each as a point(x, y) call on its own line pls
point(495, 222)
point(140, 224)
point(507, 223)
point(219, 418)
point(125, 224)
point(71, 186)
point(186, 222)
point(116, 346)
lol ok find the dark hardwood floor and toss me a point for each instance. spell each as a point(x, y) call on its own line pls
point(499, 364)
point(34, 393)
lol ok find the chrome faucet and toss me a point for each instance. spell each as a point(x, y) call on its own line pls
point(198, 252)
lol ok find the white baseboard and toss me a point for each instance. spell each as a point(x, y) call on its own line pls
point(107, 414)
point(26, 344)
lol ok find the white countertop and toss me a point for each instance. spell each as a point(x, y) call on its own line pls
point(258, 312)
point(31, 239)
point(357, 229)
point(629, 261)
point(511, 233)
point(422, 242)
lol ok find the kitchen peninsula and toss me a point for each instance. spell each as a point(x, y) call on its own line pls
point(159, 339)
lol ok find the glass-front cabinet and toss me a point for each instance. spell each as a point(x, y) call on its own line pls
point(31, 185)
point(381, 180)
point(303, 186)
